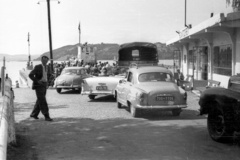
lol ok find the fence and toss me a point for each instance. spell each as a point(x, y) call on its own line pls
point(7, 129)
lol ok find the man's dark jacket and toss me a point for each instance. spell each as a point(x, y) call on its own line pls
point(36, 74)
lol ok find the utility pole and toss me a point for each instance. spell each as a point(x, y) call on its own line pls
point(29, 56)
point(185, 19)
point(50, 31)
point(50, 34)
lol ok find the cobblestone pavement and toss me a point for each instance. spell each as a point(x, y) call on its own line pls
point(97, 130)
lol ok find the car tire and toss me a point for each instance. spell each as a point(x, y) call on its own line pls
point(79, 90)
point(59, 90)
point(176, 112)
point(92, 97)
point(134, 111)
point(218, 130)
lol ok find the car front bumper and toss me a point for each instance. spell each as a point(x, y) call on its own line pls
point(162, 107)
point(71, 86)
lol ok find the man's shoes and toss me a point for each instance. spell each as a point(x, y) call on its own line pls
point(48, 119)
point(35, 117)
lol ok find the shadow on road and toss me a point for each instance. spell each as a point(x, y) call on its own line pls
point(103, 98)
point(23, 107)
point(109, 139)
point(158, 115)
point(69, 92)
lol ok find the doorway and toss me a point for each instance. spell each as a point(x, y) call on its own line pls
point(203, 63)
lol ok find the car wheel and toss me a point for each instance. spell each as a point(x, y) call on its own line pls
point(91, 97)
point(79, 90)
point(176, 112)
point(217, 128)
point(59, 90)
point(134, 111)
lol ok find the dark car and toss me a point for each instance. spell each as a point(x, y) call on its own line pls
point(223, 108)
point(71, 78)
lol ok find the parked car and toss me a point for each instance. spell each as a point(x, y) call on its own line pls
point(149, 88)
point(223, 108)
point(71, 78)
point(101, 85)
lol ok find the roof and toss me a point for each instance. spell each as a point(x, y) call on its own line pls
point(144, 69)
point(186, 33)
point(137, 44)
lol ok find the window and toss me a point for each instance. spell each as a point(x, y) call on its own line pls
point(222, 60)
point(154, 76)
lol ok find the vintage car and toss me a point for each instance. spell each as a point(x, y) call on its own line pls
point(223, 108)
point(71, 78)
point(143, 53)
point(101, 85)
point(149, 88)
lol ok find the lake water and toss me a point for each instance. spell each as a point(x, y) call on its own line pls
point(13, 67)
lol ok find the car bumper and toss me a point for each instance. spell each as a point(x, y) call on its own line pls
point(162, 107)
point(97, 93)
point(72, 86)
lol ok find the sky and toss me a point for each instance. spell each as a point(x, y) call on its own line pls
point(102, 21)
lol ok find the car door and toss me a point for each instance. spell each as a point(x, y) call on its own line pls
point(127, 87)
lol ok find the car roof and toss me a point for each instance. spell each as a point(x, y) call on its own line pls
point(138, 44)
point(145, 69)
point(74, 67)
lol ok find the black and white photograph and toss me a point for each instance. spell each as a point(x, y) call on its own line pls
point(120, 80)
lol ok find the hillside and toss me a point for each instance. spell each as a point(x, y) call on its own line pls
point(105, 51)
point(20, 57)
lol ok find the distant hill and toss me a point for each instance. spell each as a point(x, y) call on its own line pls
point(20, 57)
point(105, 51)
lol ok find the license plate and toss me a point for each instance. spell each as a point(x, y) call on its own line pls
point(164, 98)
point(101, 88)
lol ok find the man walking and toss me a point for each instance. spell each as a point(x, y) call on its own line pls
point(39, 77)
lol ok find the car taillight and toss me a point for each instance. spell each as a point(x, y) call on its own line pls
point(143, 99)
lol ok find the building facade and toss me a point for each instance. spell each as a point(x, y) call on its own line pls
point(211, 49)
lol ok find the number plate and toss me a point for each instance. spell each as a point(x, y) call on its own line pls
point(164, 98)
point(101, 88)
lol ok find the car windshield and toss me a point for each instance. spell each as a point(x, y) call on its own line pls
point(154, 76)
point(73, 71)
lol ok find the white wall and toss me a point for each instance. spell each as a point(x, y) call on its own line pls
point(237, 67)
point(222, 79)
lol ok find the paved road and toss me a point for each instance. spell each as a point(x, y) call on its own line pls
point(97, 130)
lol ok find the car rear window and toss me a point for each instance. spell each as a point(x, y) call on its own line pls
point(154, 76)
point(73, 71)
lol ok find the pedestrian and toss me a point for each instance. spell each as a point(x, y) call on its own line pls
point(39, 77)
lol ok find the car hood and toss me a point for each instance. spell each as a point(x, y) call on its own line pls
point(164, 87)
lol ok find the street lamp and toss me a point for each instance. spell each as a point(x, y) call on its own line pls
point(50, 31)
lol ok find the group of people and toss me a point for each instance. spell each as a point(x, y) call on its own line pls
point(96, 69)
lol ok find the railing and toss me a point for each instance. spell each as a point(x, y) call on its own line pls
point(7, 129)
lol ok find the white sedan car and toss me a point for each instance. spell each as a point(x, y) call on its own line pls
point(101, 85)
